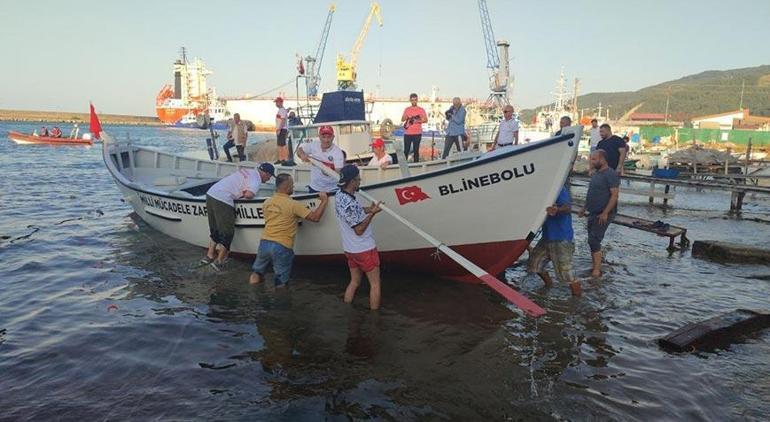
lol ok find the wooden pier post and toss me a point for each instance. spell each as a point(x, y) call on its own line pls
point(665, 198)
point(736, 201)
point(652, 192)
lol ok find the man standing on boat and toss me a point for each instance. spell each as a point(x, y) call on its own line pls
point(220, 206)
point(508, 132)
point(595, 135)
point(456, 127)
point(614, 147)
point(237, 134)
point(328, 153)
point(357, 238)
point(281, 216)
point(413, 118)
point(565, 121)
point(281, 131)
point(557, 244)
point(380, 158)
point(601, 204)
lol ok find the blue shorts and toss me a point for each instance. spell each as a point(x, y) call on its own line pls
point(280, 256)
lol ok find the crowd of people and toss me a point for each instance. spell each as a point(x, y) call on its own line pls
point(282, 213)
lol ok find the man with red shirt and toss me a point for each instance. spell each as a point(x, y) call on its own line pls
point(413, 118)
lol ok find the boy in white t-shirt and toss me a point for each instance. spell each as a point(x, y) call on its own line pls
point(357, 238)
point(381, 158)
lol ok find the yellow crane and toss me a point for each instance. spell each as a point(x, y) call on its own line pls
point(346, 70)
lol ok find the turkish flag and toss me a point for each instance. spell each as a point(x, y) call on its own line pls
point(410, 194)
point(96, 127)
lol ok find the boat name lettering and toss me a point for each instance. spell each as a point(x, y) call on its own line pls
point(249, 212)
point(487, 179)
point(173, 206)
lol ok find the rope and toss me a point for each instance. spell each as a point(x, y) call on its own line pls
point(290, 81)
point(437, 253)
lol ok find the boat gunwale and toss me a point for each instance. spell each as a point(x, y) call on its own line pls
point(459, 167)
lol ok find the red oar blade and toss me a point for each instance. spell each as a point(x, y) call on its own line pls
point(518, 299)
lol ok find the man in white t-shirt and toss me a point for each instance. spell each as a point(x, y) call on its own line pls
point(381, 158)
point(596, 137)
point(508, 133)
point(329, 154)
point(281, 131)
point(357, 238)
point(220, 206)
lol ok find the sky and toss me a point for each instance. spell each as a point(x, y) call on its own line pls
point(59, 55)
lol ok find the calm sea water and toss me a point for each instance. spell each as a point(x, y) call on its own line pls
point(102, 317)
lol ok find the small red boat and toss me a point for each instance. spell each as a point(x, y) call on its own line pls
point(22, 138)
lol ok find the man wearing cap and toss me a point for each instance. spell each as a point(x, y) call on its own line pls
point(381, 158)
point(236, 136)
point(357, 238)
point(455, 128)
point(328, 153)
point(220, 206)
point(413, 118)
point(281, 131)
point(281, 216)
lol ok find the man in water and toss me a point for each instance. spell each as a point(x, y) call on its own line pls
point(357, 238)
point(601, 204)
point(276, 246)
point(614, 148)
point(220, 206)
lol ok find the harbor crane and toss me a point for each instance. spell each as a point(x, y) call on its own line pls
point(314, 62)
point(346, 70)
point(497, 63)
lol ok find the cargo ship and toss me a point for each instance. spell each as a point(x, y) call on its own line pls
point(185, 103)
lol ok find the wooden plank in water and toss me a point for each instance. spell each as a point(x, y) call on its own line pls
point(730, 252)
point(716, 332)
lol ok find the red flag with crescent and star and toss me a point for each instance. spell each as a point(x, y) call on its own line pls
point(410, 194)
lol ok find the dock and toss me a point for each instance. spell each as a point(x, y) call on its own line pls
point(672, 232)
point(738, 191)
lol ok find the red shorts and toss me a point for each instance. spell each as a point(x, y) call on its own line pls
point(366, 261)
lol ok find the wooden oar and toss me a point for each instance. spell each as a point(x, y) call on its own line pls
point(516, 298)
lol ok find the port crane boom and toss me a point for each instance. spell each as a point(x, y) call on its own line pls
point(497, 62)
point(314, 62)
point(346, 70)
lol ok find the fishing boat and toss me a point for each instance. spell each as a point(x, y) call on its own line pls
point(23, 138)
point(508, 189)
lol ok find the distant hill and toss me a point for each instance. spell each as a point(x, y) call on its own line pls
point(710, 92)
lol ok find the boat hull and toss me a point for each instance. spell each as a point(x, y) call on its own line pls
point(507, 192)
point(21, 138)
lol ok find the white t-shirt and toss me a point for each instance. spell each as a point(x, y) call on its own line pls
point(507, 128)
point(332, 158)
point(595, 137)
point(281, 118)
point(385, 160)
point(349, 214)
point(231, 187)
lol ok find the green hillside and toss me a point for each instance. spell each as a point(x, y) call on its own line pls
point(709, 92)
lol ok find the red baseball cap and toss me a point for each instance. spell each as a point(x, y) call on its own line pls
point(378, 143)
point(326, 130)
point(278, 100)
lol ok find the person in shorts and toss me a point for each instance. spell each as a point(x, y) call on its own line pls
point(357, 238)
point(557, 244)
point(601, 205)
point(281, 130)
point(276, 246)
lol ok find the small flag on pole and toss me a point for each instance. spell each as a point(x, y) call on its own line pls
point(96, 127)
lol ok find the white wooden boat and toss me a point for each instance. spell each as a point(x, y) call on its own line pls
point(508, 190)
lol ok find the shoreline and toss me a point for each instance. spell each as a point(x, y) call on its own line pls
point(28, 116)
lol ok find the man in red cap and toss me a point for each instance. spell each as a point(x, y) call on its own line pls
point(328, 153)
point(381, 158)
point(281, 131)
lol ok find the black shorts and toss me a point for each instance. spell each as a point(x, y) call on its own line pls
point(282, 137)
